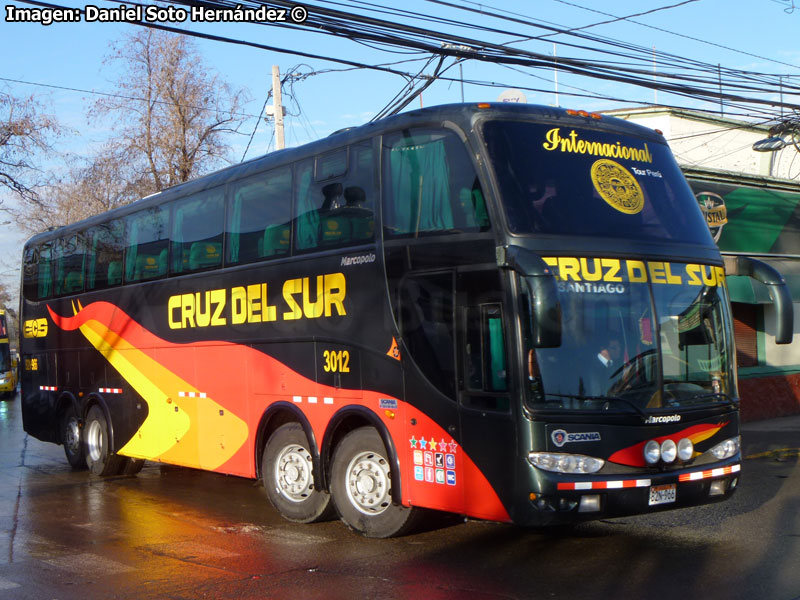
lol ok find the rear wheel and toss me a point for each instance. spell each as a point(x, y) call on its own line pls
point(361, 485)
point(70, 435)
point(288, 476)
point(97, 439)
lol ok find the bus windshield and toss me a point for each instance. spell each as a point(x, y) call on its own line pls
point(5, 357)
point(644, 346)
point(587, 182)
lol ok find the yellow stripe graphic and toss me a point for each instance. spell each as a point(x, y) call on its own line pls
point(171, 430)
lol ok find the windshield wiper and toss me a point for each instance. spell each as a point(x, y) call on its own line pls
point(607, 399)
point(719, 395)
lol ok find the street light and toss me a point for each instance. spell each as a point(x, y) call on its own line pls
point(770, 144)
point(781, 135)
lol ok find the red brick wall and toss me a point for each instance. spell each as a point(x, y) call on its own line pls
point(768, 397)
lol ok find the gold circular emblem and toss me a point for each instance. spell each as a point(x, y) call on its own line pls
point(617, 186)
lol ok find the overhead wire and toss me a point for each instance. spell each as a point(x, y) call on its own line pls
point(363, 28)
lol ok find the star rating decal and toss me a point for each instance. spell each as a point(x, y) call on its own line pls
point(432, 444)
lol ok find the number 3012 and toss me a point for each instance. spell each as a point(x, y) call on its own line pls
point(336, 361)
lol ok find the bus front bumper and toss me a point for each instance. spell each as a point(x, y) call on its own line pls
point(559, 498)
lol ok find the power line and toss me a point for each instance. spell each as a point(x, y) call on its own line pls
point(688, 37)
point(361, 28)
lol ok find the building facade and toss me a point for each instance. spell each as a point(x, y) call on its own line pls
point(752, 202)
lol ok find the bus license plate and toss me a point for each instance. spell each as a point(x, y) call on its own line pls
point(662, 494)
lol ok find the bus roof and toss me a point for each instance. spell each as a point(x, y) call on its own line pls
point(462, 115)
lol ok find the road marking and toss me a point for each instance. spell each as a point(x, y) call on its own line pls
point(89, 563)
point(780, 453)
point(5, 584)
point(191, 551)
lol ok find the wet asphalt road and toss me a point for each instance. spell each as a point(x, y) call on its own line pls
point(177, 533)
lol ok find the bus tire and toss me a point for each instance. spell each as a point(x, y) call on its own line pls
point(96, 438)
point(70, 436)
point(361, 486)
point(288, 476)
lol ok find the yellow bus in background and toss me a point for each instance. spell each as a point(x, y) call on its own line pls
point(8, 361)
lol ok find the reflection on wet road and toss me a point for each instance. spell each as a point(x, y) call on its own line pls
point(184, 534)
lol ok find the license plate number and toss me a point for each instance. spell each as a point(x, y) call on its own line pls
point(662, 494)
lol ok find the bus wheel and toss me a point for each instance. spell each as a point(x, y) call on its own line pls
point(98, 458)
point(288, 476)
point(361, 486)
point(70, 435)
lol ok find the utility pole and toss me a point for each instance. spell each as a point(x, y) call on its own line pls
point(276, 97)
point(555, 72)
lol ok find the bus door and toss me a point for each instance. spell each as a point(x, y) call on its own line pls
point(485, 413)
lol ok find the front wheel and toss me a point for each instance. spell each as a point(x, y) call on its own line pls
point(97, 438)
point(361, 485)
point(288, 476)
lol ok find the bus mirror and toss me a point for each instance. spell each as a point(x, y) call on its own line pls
point(778, 291)
point(545, 309)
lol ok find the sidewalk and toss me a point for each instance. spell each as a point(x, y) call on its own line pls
point(759, 437)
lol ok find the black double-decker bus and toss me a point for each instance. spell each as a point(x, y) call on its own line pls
point(513, 313)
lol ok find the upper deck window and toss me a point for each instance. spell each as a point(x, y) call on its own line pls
point(69, 255)
point(569, 181)
point(105, 256)
point(37, 272)
point(430, 185)
point(334, 208)
point(197, 232)
point(148, 241)
point(259, 221)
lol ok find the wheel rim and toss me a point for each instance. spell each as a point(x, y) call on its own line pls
point(369, 483)
point(94, 441)
point(293, 475)
point(72, 435)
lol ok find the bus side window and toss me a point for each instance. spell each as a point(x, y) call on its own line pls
point(335, 206)
point(427, 326)
point(259, 217)
point(196, 239)
point(37, 275)
point(306, 221)
point(430, 185)
point(104, 267)
point(69, 257)
point(359, 200)
point(485, 355)
point(147, 244)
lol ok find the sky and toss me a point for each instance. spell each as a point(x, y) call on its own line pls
point(64, 64)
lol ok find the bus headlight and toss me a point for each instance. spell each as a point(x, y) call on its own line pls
point(685, 449)
point(669, 451)
point(652, 452)
point(726, 449)
point(565, 463)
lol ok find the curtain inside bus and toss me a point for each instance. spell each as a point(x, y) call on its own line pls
point(420, 177)
point(307, 216)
